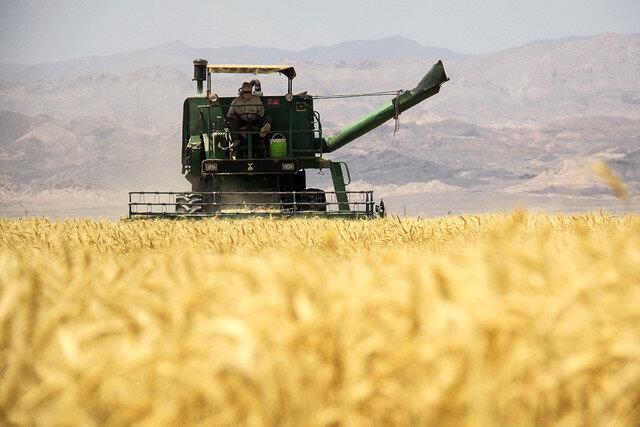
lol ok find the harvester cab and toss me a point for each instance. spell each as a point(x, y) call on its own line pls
point(247, 155)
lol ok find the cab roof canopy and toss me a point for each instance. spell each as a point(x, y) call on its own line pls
point(287, 70)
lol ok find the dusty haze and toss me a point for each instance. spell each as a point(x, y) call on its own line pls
point(522, 126)
point(34, 31)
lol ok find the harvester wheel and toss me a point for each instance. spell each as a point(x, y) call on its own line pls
point(189, 203)
point(314, 200)
point(195, 201)
point(182, 205)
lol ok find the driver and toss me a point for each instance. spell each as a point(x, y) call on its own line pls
point(245, 111)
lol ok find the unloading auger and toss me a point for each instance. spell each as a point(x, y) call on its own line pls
point(255, 170)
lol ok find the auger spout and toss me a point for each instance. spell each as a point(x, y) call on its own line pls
point(428, 86)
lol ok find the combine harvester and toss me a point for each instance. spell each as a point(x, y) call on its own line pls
point(249, 172)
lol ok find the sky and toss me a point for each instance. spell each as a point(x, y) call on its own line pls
point(33, 31)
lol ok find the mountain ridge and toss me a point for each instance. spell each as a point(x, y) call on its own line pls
point(180, 55)
point(528, 120)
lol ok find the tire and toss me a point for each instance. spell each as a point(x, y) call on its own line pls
point(182, 205)
point(189, 203)
point(313, 200)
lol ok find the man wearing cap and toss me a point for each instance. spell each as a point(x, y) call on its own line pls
point(246, 111)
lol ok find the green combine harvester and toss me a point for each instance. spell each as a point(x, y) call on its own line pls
point(256, 170)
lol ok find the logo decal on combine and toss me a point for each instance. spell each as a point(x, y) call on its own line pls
point(249, 166)
point(273, 101)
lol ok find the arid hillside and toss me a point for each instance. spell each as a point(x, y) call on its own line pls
point(527, 122)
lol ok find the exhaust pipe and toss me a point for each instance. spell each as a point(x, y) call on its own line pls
point(200, 73)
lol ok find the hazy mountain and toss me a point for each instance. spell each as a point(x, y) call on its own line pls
point(525, 122)
point(85, 153)
point(385, 49)
point(598, 75)
point(16, 125)
point(179, 55)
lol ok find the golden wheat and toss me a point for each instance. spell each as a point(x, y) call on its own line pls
point(474, 320)
point(611, 179)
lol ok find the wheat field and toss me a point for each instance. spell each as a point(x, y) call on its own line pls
point(519, 319)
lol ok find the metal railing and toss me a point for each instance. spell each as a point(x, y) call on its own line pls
point(248, 135)
point(255, 203)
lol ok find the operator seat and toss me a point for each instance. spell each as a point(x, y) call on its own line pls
point(258, 144)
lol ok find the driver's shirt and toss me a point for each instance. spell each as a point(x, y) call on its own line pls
point(248, 110)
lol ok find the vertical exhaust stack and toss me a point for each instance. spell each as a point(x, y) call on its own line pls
point(200, 73)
